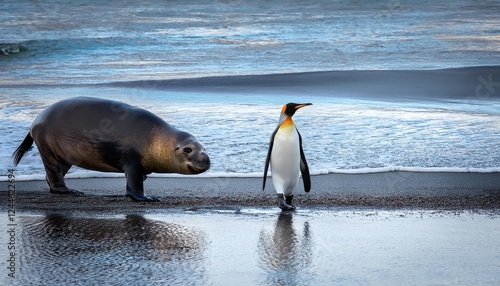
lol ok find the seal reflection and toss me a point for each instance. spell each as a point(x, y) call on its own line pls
point(67, 249)
point(285, 252)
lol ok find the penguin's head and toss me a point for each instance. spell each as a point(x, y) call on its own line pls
point(290, 108)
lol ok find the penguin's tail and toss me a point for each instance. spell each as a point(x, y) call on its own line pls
point(22, 149)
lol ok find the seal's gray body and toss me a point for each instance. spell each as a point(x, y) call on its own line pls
point(110, 136)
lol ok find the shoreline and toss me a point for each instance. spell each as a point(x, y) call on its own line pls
point(439, 191)
point(89, 174)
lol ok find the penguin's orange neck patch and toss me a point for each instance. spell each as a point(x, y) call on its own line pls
point(287, 122)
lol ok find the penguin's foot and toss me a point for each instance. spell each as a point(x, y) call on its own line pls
point(289, 199)
point(284, 205)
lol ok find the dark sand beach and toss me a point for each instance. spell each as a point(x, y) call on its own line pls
point(388, 190)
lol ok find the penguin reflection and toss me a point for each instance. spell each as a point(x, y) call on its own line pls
point(284, 253)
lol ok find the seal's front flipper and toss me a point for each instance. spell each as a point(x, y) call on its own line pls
point(141, 198)
point(135, 186)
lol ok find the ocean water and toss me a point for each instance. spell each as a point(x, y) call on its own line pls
point(133, 52)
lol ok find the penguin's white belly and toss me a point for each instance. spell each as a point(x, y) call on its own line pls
point(285, 161)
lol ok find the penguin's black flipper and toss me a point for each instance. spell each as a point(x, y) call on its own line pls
point(268, 158)
point(304, 169)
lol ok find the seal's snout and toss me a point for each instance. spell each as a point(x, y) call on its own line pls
point(205, 159)
point(200, 164)
point(204, 162)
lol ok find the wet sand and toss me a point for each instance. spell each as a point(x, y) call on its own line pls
point(388, 190)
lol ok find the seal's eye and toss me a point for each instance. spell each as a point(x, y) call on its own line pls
point(187, 150)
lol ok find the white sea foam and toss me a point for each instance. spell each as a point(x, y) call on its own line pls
point(339, 134)
point(91, 174)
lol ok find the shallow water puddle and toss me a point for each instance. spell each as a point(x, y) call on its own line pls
point(228, 246)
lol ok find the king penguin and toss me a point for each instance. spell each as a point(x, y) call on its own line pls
point(286, 157)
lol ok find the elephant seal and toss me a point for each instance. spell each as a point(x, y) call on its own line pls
point(110, 136)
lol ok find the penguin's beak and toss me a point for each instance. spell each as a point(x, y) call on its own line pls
point(302, 105)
